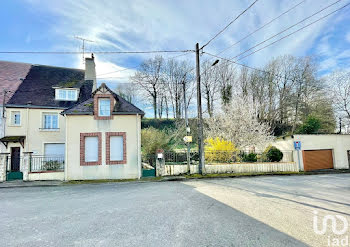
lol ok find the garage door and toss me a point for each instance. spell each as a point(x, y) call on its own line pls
point(54, 149)
point(317, 159)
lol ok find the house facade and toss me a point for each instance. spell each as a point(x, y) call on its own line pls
point(33, 121)
point(108, 143)
point(11, 76)
point(60, 126)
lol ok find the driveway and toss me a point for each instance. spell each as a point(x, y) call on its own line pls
point(255, 211)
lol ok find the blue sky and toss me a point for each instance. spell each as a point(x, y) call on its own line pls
point(40, 25)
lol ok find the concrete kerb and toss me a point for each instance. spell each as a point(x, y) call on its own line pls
point(23, 184)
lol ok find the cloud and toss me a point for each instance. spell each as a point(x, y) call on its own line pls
point(157, 24)
point(347, 37)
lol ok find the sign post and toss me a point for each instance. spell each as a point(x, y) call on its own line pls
point(297, 147)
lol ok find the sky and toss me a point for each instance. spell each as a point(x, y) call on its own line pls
point(139, 25)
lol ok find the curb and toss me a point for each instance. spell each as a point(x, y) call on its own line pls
point(179, 178)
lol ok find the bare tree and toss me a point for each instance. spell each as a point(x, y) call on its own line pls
point(149, 78)
point(175, 74)
point(127, 91)
point(339, 83)
point(210, 85)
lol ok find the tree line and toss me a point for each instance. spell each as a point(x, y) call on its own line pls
point(283, 94)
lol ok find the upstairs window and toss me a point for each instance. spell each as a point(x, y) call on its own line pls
point(16, 118)
point(104, 107)
point(67, 94)
point(50, 121)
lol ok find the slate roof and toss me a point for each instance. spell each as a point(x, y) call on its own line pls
point(121, 107)
point(11, 75)
point(37, 87)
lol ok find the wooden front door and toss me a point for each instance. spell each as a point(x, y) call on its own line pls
point(15, 159)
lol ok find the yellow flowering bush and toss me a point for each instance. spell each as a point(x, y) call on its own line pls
point(220, 150)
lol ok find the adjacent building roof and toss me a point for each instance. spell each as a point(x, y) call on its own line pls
point(37, 89)
point(11, 76)
point(87, 107)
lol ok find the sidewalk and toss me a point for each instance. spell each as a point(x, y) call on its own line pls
point(21, 183)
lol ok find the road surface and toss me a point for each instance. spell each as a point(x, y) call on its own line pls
point(250, 211)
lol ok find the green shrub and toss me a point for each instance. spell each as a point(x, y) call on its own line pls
point(153, 139)
point(310, 126)
point(251, 157)
point(52, 165)
point(272, 154)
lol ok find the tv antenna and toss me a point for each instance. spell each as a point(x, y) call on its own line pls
point(83, 47)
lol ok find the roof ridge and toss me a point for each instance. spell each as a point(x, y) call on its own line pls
point(58, 67)
point(15, 62)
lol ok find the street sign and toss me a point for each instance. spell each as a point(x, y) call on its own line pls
point(297, 145)
point(187, 139)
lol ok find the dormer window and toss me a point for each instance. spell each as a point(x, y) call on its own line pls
point(104, 107)
point(66, 94)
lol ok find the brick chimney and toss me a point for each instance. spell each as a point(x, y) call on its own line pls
point(90, 72)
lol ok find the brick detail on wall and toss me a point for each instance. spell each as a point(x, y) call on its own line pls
point(108, 151)
point(98, 96)
point(82, 149)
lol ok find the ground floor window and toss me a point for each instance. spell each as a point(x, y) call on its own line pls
point(115, 148)
point(54, 149)
point(90, 149)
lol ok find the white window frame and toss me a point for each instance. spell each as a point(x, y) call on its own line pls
point(99, 107)
point(13, 118)
point(43, 121)
point(86, 153)
point(113, 151)
point(68, 96)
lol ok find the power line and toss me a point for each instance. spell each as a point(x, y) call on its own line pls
point(228, 25)
point(258, 29)
point(285, 29)
point(250, 67)
point(134, 67)
point(96, 52)
point(294, 31)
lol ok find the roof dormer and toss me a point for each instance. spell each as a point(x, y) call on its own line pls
point(104, 102)
point(66, 94)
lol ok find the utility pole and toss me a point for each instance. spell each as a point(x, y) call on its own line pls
point(200, 118)
point(187, 128)
point(83, 47)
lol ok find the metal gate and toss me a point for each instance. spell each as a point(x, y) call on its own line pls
point(13, 168)
point(149, 165)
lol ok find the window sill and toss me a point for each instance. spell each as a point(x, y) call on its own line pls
point(15, 125)
point(49, 130)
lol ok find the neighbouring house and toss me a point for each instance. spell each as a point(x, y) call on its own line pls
point(34, 123)
point(61, 126)
point(319, 151)
point(103, 138)
point(11, 76)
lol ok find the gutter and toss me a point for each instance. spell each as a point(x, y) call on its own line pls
point(35, 106)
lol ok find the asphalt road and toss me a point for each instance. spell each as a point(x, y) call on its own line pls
point(255, 211)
